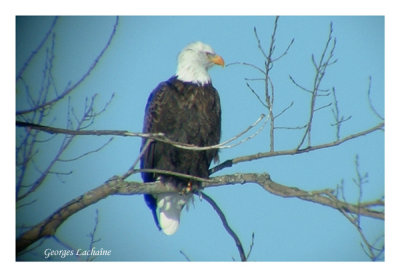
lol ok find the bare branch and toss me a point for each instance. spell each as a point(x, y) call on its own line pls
point(336, 115)
point(184, 255)
point(230, 231)
point(18, 206)
point(168, 172)
point(132, 169)
point(296, 151)
point(322, 107)
point(63, 244)
point(87, 153)
point(285, 52)
point(246, 64)
point(117, 186)
point(156, 136)
point(291, 128)
point(73, 87)
point(269, 95)
point(370, 101)
point(67, 140)
point(251, 246)
point(92, 236)
point(298, 85)
point(254, 79)
point(320, 70)
point(355, 218)
point(258, 97)
point(269, 87)
point(272, 45)
point(259, 42)
point(34, 52)
point(44, 174)
point(284, 110)
point(323, 197)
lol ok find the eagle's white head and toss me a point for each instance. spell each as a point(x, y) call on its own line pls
point(194, 61)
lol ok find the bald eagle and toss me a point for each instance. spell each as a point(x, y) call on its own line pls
point(186, 108)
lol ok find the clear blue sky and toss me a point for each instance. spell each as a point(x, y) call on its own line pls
point(142, 54)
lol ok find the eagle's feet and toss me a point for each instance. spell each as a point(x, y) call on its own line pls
point(190, 187)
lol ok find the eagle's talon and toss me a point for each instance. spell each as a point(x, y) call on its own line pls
point(189, 187)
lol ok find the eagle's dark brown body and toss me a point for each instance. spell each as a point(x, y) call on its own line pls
point(187, 113)
point(186, 108)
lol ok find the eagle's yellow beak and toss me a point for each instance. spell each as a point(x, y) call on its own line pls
point(217, 60)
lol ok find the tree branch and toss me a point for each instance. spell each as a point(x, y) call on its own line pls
point(68, 90)
point(117, 186)
point(156, 136)
point(230, 231)
point(34, 52)
point(295, 151)
point(228, 163)
point(320, 70)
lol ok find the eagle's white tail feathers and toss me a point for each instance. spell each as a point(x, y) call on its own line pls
point(169, 207)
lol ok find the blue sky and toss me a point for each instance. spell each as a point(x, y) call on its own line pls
point(142, 54)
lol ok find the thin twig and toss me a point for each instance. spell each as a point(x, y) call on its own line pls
point(298, 85)
point(246, 64)
point(184, 255)
point(335, 112)
point(87, 153)
point(322, 107)
point(285, 52)
point(284, 110)
point(225, 223)
point(144, 149)
point(255, 93)
point(291, 128)
point(259, 43)
point(370, 101)
point(73, 87)
point(92, 236)
point(34, 52)
point(251, 246)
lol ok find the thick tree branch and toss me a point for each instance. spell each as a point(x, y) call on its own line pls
point(323, 197)
point(117, 186)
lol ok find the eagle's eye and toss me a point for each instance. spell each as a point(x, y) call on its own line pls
point(209, 54)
